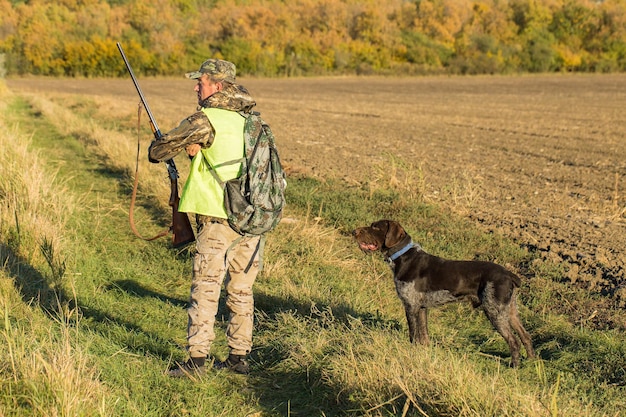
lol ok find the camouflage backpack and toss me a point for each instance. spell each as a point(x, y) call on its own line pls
point(254, 201)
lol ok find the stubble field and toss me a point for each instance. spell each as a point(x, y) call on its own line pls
point(540, 159)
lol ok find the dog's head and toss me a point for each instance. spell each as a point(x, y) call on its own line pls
point(381, 235)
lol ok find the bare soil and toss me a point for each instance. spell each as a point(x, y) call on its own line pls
point(540, 159)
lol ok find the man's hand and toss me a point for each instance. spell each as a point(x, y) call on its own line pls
point(193, 149)
point(152, 160)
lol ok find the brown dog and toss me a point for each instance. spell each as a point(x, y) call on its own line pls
point(423, 280)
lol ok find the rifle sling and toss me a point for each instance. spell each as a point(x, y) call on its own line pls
point(135, 186)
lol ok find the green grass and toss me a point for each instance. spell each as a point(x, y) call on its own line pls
point(93, 316)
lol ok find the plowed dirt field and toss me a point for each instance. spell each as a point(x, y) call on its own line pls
point(541, 159)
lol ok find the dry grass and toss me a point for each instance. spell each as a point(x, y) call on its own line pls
point(42, 366)
point(34, 207)
point(46, 370)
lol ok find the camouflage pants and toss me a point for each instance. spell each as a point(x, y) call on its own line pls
point(222, 259)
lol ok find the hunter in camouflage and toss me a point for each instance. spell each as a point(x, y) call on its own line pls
point(222, 255)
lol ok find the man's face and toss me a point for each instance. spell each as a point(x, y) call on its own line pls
point(206, 88)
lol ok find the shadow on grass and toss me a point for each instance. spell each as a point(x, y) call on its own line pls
point(36, 289)
point(135, 289)
point(279, 389)
point(31, 284)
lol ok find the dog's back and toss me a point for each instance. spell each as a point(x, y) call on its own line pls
point(461, 276)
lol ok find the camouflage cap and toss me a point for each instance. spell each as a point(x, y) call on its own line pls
point(216, 68)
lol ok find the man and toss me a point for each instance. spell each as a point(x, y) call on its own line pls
point(215, 133)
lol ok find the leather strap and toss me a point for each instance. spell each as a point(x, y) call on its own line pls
point(131, 212)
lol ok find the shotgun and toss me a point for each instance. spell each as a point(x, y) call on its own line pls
point(182, 232)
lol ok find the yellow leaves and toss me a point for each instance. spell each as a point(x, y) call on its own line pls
point(442, 19)
point(273, 37)
point(570, 60)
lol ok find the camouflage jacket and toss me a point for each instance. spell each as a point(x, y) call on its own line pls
point(197, 128)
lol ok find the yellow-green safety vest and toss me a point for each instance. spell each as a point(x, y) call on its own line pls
point(202, 193)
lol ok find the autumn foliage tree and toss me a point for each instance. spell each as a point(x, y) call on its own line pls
point(313, 37)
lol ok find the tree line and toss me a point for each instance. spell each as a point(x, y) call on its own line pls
point(276, 38)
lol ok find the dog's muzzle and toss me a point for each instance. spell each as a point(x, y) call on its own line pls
point(368, 247)
point(364, 245)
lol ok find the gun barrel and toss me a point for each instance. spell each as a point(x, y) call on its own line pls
point(153, 123)
point(171, 166)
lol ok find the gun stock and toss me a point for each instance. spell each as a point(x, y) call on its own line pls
point(182, 231)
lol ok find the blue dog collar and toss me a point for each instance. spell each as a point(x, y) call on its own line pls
point(402, 251)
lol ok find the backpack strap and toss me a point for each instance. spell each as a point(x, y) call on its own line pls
point(213, 168)
point(243, 160)
point(231, 162)
point(258, 250)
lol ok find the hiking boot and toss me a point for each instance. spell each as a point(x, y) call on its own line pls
point(236, 363)
point(193, 367)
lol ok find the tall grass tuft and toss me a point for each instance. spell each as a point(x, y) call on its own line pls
point(44, 372)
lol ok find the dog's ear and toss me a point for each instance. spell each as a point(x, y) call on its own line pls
point(395, 234)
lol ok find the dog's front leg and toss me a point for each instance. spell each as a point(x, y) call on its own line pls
point(422, 326)
point(412, 321)
point(417, 319)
